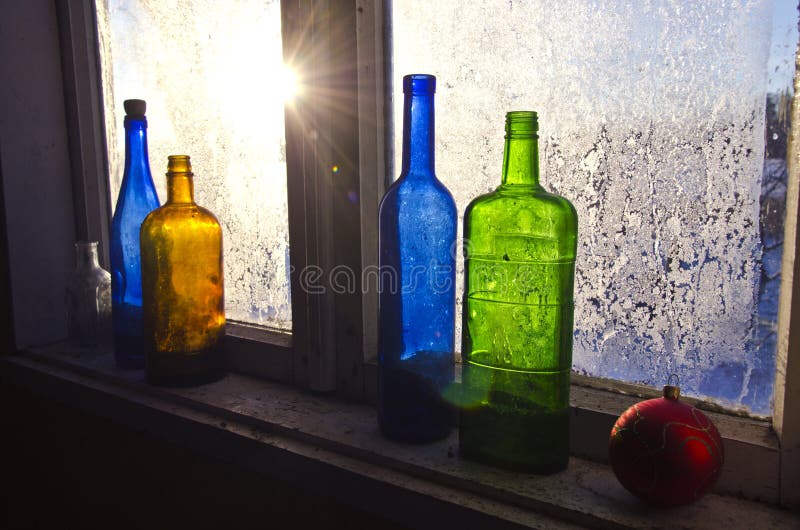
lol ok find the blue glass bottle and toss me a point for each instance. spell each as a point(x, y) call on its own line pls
point(137, 198)
point(417, 269)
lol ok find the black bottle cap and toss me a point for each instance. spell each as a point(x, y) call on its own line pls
point(135, 108)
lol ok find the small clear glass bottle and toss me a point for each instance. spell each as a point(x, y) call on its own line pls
point(88, 299)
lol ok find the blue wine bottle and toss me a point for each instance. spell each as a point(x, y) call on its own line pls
point(417, 270)
point(137, 198)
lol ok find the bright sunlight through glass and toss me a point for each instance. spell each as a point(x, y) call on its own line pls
point(288, 85)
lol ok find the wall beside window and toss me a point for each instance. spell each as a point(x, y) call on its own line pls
point(35, 171)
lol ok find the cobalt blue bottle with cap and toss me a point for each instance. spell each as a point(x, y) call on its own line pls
point(417, 270)
point(137, 198)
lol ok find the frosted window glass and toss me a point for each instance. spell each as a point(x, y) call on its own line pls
point(208, 71)
point(652, 122)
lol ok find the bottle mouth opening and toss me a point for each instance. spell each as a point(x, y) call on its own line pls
point(522, 124)
point(179, 164)
point(419, 84)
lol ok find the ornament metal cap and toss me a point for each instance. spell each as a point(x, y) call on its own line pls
point(672, 392)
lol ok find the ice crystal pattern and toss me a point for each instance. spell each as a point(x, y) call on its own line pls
point(652, 120)
point(205, 69)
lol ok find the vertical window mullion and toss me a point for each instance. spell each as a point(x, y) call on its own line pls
point(786, 416)
point(374, 126)
point(324, 217)
point(348, 202)
point(83, 102)
point(294, 29)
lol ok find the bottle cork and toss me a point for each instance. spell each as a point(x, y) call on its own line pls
point(135, 107)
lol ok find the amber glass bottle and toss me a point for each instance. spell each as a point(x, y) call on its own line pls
point(182, 285)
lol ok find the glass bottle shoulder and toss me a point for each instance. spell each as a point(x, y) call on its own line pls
point(180, 218)
point(417, 191)
point(137, 197)
point(508, 204)
point(528, 216)
point(89, 276)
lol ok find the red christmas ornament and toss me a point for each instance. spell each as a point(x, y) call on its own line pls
point(666, 452)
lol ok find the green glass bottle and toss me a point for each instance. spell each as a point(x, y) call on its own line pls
point(182, 285)
point(519, 249)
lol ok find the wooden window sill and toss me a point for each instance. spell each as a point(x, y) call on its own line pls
point(333, 447)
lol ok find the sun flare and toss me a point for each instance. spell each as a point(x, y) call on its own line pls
point(288, 84)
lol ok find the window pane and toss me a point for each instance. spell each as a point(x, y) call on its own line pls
point(652, 122)
point(211, 73)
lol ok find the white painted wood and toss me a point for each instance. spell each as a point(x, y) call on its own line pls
point(84, 110)
point(348, 203)
point(257, 351)
point(409, 500)
point(325, 202)
point(371, 147)
point(586, 494)
point(308, 152)
point(786, 419)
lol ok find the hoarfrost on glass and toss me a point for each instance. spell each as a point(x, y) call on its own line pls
point(652, 118)
point(207, 70)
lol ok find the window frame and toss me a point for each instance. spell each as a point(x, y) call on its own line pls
point(324, 228)
point(333, 342)
point(786, 408)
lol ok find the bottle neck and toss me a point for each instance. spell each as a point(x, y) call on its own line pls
point(136, 156)
point(521, 151)
point(86, 255)
point(180, 188)
point(180, 180)
point(418, 135)
point(521, 162)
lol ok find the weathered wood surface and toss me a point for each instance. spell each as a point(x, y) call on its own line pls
point(587, 493)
